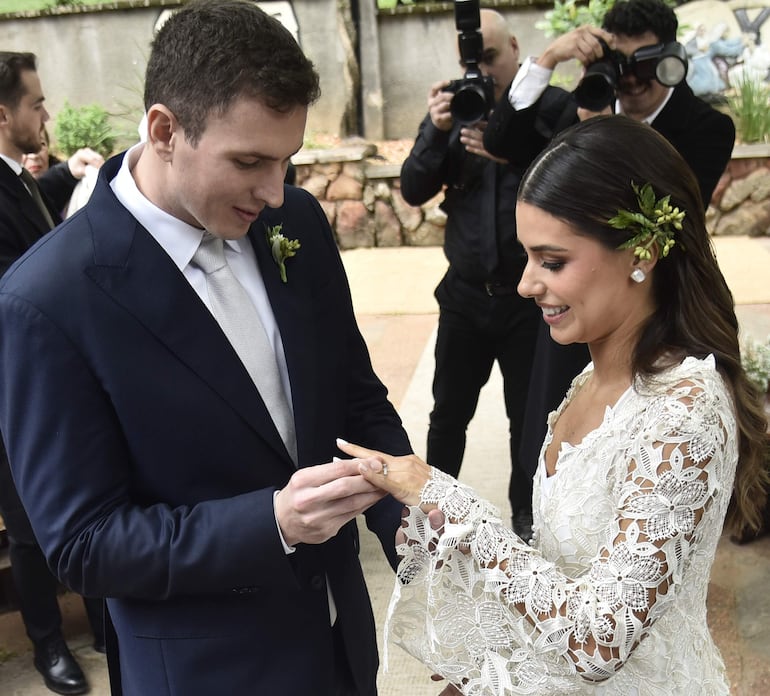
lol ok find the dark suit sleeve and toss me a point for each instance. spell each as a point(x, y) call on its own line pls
point(707, 146)
point(426, 169)
point(58, 184)
point(520, 136)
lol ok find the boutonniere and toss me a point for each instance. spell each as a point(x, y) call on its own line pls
point(281, 247)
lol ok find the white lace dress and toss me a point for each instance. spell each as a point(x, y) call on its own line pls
point(610, 599)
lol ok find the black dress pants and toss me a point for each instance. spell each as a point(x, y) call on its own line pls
point(474, 330)
point(35, 585)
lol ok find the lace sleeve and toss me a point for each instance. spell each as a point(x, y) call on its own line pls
point(491, 614)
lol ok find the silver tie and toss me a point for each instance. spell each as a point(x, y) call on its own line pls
point(238, 318)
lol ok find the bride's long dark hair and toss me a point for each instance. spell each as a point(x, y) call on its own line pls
point(584, 177)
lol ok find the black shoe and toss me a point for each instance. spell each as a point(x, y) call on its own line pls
point(522, 525)
point(61, 672)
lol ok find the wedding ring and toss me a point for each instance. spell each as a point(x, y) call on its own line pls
point(384, 469)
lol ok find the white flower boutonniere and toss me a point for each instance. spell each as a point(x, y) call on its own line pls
point(281, 247)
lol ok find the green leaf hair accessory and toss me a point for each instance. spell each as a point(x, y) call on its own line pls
point(281, 247)
point(656, 223)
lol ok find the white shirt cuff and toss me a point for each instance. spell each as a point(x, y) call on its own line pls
point(530, 82)
point(287, 549)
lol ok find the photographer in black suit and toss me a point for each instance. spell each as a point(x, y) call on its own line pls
point(481, 316)
point(532, 112)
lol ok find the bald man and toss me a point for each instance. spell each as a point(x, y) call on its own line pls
point(481, 316)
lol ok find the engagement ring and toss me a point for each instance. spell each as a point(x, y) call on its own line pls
point(384, 469)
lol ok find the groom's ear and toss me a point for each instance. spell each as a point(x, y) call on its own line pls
point(163, 130)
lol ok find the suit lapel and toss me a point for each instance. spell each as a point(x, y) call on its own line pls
point(25, 205)
point(138, 274)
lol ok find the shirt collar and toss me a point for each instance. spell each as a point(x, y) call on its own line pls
point(12, 163)
point(179, 239)
point(655, 113)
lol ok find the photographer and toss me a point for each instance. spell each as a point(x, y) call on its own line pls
point(532, 113)
point(481, 316)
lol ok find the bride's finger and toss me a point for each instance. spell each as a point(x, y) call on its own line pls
point(356, 450)
point(436, 519)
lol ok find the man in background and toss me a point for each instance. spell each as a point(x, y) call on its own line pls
point(26, 214)
point(481, 316)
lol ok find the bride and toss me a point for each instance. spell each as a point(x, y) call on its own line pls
point(658, 441)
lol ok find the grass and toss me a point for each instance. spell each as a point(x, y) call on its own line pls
point(749, 106)
point(7, 6)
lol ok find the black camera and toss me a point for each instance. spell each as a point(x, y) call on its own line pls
point(666, 63)
point(474, 94)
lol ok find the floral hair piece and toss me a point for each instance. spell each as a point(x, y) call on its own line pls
point(655, 223)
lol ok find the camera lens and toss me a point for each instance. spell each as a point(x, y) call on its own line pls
point(469, 104)
point(670, 71)
point(597, 88)
point(666, 63)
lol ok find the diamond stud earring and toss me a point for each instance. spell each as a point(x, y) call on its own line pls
point(638, 275)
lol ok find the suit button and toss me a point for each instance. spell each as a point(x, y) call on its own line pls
point(317, 582)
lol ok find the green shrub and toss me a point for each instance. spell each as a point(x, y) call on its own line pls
point(749, 106)
point(755, 358)
point(568, 15)
point(84, 126)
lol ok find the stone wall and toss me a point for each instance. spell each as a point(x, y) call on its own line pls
point(741, 202)
point(363, 203)
point(362, 199)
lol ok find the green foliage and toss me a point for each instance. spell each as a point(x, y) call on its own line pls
point(6, 655)
point(8, 6)
point(655, 223)
point(749, 107)
point(568, 15)
point(390, 4)
point(85, 126)
point(755, 357)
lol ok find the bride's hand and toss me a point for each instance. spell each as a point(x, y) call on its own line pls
point(402, 477)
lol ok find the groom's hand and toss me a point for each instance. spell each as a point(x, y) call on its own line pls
point(318, 500)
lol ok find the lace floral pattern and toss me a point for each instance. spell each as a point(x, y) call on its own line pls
point(611, 597)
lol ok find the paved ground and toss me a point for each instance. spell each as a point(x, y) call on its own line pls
point(392, 291)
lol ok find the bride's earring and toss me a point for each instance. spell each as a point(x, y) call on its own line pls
point(638, 275)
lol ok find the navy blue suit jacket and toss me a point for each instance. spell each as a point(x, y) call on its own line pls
point(148, 463)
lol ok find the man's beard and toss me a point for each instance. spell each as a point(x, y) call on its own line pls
point(27, 144)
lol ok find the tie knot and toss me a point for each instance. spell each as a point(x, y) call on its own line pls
point(210, 255)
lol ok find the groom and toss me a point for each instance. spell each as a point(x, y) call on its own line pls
point(157, 468)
